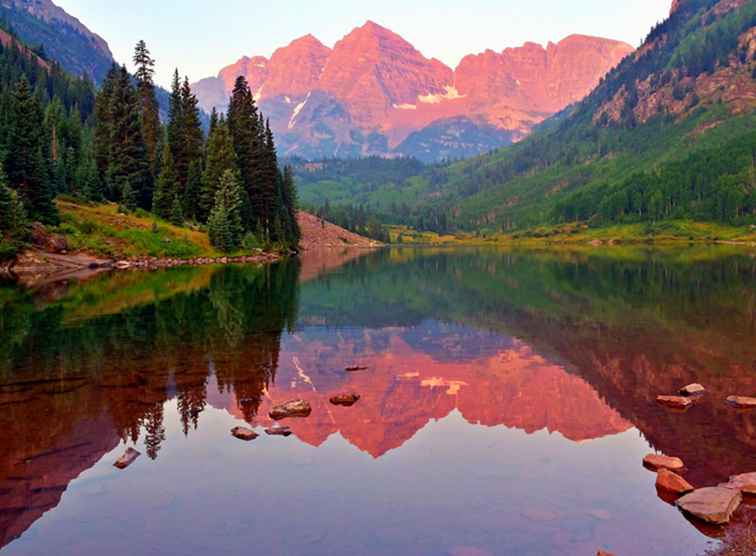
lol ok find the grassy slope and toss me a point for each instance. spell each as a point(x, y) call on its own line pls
point(100, 229)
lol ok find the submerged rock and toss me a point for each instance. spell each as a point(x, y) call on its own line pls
point(346, 400)
point(742, 402)
point(128, 457)
point(692, 390)
point(243, 433)
point(604, 553)
point(353, 368)
point(293, 408)
point(745, 483)
point(678, 402)
point(672, 482)
point(278, 430)
point(659, 461)
point(711, 504)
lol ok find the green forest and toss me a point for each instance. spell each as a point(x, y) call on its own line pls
point(60, 136)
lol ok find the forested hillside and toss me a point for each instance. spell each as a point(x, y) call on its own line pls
point(669, 133)
point(60, 137)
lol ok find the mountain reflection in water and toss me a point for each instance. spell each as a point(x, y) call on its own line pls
point(487, 372)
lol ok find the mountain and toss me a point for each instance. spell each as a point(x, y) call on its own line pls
point(63, 37)
point(668, 134)
point(374, 91)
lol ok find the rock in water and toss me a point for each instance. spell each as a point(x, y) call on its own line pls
point(128, 457)
point(243, 433)
point(604, 553)
point(678, 402)
point(278, 430)
point(745, 483)
point(672, 482)
point(293, 408)
point(658, 461)
point(711, 504)
point(692, 390)
point(347, 400)
point(742, 402)
point(354, 368)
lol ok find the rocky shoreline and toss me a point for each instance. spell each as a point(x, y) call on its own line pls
point(34, 267)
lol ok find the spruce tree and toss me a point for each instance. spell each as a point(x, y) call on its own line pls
point(26, 166)
point(193, 191)
point(290, 208)
point(128, 157)
point(103, 130)
point(243, 124)
point(224, 225)
point(220, 158)
point(166, 188)
point(177, 213)
point(150, 110)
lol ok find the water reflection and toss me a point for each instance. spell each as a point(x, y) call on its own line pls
point(571, 346)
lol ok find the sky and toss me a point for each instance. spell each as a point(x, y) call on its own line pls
point(201, 36)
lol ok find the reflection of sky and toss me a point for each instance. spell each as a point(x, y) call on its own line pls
point(452, 486)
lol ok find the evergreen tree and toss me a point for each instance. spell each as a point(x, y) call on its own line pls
point(224, 225)
point(103, 130)
point(193, 192)
point(243, 124)
point(177, 213)
point(220, 158)
point(25, 163)
point(290, 208)
point(150, 111)
point(167, 185)
point(128, 157)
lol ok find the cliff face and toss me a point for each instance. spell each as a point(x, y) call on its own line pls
point(374, 89)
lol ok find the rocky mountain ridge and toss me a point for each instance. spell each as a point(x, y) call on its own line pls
point(373, 90)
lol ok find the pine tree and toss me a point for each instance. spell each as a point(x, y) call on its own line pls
point(166, 188)
point(193, 191)
point(177, 213)
point(103, 130)
point(290, 207)
point(220, 158)
point(128, 157)
point(26, 166)
point(150, 110)
point(224, 225)
point(190, 133)
point(243, 124)
point(175, 119)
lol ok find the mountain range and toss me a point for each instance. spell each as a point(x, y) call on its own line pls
point(375, 93)
point(667, 134)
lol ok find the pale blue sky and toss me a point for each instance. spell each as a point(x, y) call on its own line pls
point(200, 36)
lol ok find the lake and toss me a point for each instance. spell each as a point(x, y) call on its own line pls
point(506, 406)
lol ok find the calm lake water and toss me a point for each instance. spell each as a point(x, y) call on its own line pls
point(506, 408)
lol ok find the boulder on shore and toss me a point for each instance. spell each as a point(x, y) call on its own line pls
point(711, 504)
point(742, 402)
point(347, 400)
point(243, 433)
point(745, 483)
point(692, 390)
point(678, 402)
point(293, 408)
point(659, 461)
point(128, 457)
point(278, 430)
point(668, 481)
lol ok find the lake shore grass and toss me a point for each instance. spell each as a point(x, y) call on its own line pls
point(667, 232)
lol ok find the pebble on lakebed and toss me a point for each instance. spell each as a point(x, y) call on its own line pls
point(293, 408)
point(659, 461)
point(677, 402)
point(742, 402)
point(668, 481)
point(278, 430)
point(128, 457)
point(243, 433)
point(692, 390)
point(347, 400)
point(711, 504)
